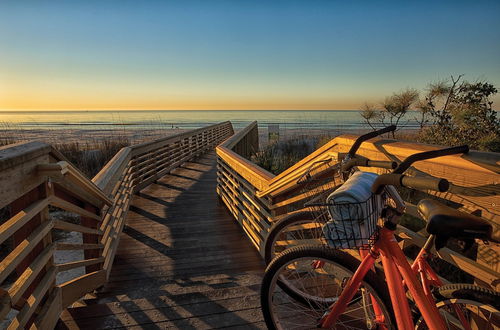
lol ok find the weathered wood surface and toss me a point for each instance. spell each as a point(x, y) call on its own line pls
point(34, 176)
point(182, 262)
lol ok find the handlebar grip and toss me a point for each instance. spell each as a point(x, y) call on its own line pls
point(436, 184)
point(400, 180)
point(382, 164)
point(368, 136)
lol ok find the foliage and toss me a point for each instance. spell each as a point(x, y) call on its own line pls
point(452, 112)
point(461, 113)
point(89, 156)
point(279, 156)
point(394, 108)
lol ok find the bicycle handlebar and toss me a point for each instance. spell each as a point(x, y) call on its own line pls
point(401, 180)
point(368, 163)
point(368, 136)
point(428, 155)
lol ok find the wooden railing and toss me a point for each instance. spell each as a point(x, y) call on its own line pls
point(257, 198)
point(34, 180)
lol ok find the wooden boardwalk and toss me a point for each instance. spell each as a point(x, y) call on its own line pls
point(183, 262)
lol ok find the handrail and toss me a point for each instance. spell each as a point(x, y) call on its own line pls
point(110, 173)
point(256, 200)
point(250, 171)
point(65, 171)
point(35, 176)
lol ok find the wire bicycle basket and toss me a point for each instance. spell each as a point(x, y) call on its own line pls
point(353, 225)
point(344, 224)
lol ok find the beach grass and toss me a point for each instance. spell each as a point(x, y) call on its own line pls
point(89, 150)
point(278, 156)
point(89, 156)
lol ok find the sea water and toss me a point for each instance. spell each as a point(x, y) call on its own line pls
point(187, 119)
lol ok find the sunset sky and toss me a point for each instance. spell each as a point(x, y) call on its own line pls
point(237, 54)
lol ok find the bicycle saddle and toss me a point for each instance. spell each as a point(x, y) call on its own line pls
point(445, 222)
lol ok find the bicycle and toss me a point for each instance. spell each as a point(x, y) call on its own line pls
point(319, 180)
point(337, 289)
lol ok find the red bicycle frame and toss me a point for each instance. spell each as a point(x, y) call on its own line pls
point(397, 270)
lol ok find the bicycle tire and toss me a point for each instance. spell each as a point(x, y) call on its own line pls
point(469, 292)
point(278, 228)
point(339, 260)
point(476, 304)
point(294, 219)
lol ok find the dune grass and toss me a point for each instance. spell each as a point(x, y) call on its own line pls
point(89, 155)
point(276, 157)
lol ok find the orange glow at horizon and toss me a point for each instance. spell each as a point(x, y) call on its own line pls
point(46, 99)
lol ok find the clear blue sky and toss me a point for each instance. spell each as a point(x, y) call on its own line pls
point(237, 54)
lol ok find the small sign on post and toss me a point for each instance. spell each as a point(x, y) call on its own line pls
point(273, 131)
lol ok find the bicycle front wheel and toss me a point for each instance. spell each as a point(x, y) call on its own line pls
point(318, 275)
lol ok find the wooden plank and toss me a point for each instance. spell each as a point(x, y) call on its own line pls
point(55, 170)
point(70, 207)
point(17, 289)
point(79, 263)
point(63, 170)
point(77, 246)
point(49, 315)
point(236, 138)
point(67, 188)
point(16, 181)
point(12, 155)
point(75, 289)
point(4, 303)
point(258, 221)
point(90, 238)
point(110, 255)
point(261, 203)
point(254, 238)
point(12, 225)
point(148, 146)
point(10, 262)
point(246, 189)
point(66, 226)
point(254, 174)
point(33, 301)
point(79, 179)
point(112, 171)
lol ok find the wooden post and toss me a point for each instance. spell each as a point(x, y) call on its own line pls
point(91, 238)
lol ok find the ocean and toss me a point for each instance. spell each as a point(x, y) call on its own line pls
point(186, 119)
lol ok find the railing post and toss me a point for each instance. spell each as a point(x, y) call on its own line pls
point(91, 238)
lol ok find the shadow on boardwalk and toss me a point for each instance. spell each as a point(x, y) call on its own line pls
point(183, 262)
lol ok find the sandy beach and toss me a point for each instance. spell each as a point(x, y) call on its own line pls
point(57, 136)
point(135, 136)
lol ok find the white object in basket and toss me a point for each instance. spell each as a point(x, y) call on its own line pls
point(348, 211)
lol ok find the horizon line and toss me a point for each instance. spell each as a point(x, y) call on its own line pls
point(89, 110)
